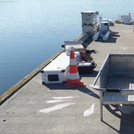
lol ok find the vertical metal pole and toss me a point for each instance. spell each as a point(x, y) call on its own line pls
point(101, 111)
point(101, 106)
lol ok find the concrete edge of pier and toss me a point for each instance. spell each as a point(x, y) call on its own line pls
point(22, 82)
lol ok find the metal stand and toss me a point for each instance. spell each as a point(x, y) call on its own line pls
point(101, 106)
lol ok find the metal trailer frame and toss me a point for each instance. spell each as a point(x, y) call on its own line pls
point(120, 88)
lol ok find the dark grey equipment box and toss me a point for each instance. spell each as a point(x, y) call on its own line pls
point(86, 67)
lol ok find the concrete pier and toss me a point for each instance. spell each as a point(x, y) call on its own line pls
point(53, 109)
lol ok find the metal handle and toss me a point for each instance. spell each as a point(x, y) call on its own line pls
point(95, 81)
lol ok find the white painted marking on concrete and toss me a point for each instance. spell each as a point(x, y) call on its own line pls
point(56, 107)
point(62, 98)
point(89, 111)
point(124, 48)
point(54, 101)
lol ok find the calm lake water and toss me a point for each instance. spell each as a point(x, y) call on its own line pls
point(31, 31)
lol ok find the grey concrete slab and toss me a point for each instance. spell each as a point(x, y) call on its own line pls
point(53, 109)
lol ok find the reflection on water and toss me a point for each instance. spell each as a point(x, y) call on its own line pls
point(32, 31)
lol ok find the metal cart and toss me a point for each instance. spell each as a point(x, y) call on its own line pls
point(115, 80)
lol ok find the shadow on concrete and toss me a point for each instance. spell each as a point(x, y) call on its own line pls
point(112, 38)
point(88, 91)
point(110, 126)
point(126, 120)
point(84, 90)
point(81, 89)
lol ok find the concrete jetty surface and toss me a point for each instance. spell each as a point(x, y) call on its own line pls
point(53, 109)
